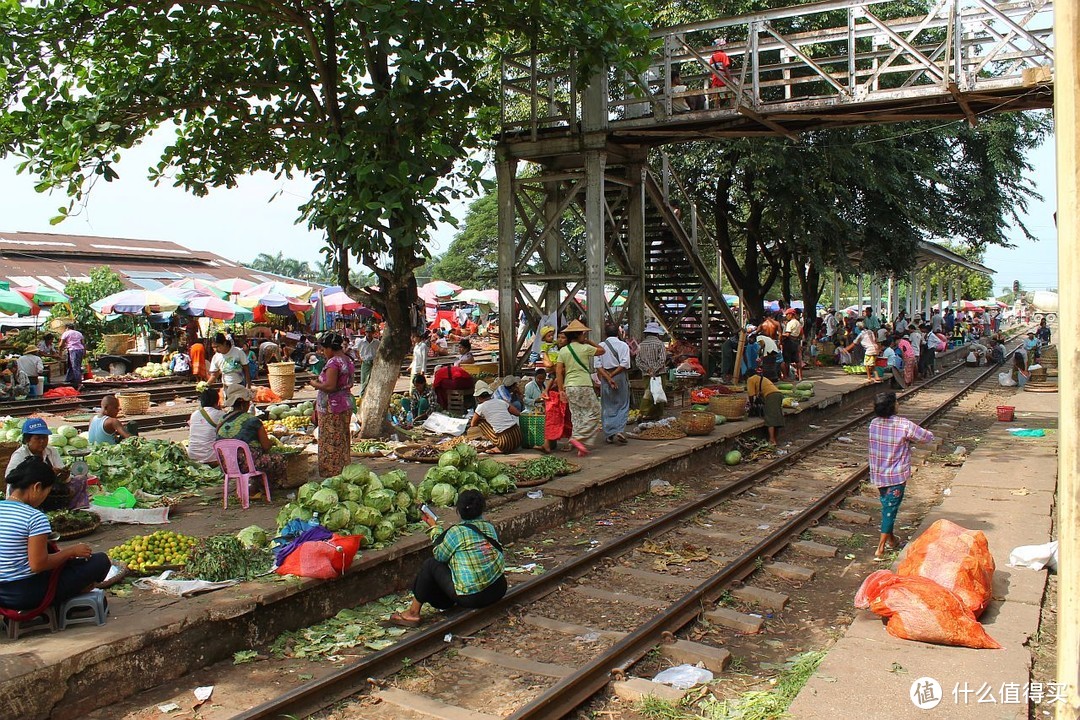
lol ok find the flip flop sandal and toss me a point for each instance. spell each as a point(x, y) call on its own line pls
point(398, 620)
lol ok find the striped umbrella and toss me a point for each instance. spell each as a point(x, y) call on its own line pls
point(234, 286)
point(202, 286)
point(14, 303)
point(278, 304)
point(42, 294)
point(135, 302)
point(274, 287)
point(214, 307)
point(338, 302)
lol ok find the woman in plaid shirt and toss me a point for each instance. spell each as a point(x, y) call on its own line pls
point(467, 569)
point(890, 463)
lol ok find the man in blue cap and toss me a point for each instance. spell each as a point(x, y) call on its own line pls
point(35, 443)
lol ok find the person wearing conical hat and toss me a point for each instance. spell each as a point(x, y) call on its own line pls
point(573, 377)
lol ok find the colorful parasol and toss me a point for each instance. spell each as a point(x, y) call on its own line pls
point(203, 287)
point(214, 307)
point(135, 302)
point(274, 287)
point(234, 286)
point(14, 303)
point(42, 295)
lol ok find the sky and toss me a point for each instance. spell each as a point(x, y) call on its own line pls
point(240, 223)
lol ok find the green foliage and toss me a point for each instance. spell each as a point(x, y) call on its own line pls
point(104, 281)
point(770, 704)
point(472, 259)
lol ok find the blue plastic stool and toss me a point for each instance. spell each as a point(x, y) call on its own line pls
point(93, 600)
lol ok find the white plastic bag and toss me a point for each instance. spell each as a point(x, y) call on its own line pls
point(656, 389)
point(683, 677)
point(1035, 557)
point(441, 424)
point(1006, 379)
point(180, 588)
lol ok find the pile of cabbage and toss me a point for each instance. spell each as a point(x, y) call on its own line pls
point(457, 471)
point(357, 502)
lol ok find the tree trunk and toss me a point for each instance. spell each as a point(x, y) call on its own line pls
point(386, 370)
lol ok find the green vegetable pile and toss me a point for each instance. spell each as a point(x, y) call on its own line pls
point(540, 469)
point(349, 628)
point(154, 466)
point(459, 470)
point(64, 438)
point(357, 502)
point(224, 557)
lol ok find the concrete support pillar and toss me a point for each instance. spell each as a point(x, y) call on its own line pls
point(595, 254)
point(635, 230)
point(894, 296)
point(929, 302)
point(875, 295)
point(505, 172)
point(940, 295)
point(1067, 119)
point(836, 290)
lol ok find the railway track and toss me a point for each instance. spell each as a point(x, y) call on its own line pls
point(754, 517)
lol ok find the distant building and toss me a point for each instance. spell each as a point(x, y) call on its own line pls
point(53, 260)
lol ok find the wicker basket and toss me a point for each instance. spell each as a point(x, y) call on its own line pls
point(1048, 356)
point(133, 403)
point(532, 430)
point(118, 344)
point(697, 423)
point(733, 407)
point(282, 379)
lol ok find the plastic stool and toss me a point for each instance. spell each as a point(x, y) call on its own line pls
point(93, 600)
point(46, 620)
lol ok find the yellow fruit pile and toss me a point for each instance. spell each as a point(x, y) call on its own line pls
point(163, 547)
point(295, 423)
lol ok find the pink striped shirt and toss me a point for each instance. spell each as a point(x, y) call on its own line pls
point(890, 449)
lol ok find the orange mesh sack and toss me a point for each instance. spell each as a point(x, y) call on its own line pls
point(266, 395)
point(955, 558)
point(920, 609)
point(322, 559)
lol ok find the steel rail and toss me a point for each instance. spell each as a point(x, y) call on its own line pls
point(341, 683)
point(571, 691)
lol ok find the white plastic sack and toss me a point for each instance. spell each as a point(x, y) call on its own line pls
point(441, 424)
point(656, 390)
point(1035, 557)
point(684, 677)
point(180, 588)
point(1005, 379)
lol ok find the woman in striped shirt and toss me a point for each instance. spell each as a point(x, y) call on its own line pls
point(26, 565)
point(890, 463)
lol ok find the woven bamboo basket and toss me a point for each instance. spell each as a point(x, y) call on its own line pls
point(733, 407)
point(1048, 357)
point(118, 344)
point(1039, 374)
point(282, 379)
point(697, 423)
point(134, 403)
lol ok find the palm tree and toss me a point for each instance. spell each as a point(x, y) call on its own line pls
point(269, 263)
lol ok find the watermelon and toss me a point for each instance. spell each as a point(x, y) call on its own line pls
point(784, 386)
point(733, 457)
point(805, 385)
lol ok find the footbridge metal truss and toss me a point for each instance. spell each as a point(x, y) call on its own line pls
point(581, 220)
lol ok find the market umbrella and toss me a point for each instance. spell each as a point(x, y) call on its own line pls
point(438, 289)
point(42, 294)
point(274, 287)
point(203, 287)
point(135, 302)
point(14, 303)
point(338, 302)
point(278, 304)
point(214, 307)
point(234, 286)
point(475, 297)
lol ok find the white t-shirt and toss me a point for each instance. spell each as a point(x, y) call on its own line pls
point(916, 338)
point(52, 457)
point(231, 365)
point(203, 434)
point(866, 339)
point(497, 414)
point(419, 359)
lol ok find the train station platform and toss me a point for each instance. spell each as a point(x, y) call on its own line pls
point(150, 639)
point(1006, 489)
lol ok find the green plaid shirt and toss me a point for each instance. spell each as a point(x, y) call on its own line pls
point(473, 561)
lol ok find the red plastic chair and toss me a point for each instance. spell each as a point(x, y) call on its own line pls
point(228, 453)
point(15, 618)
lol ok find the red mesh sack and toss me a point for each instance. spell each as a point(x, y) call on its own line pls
point(322, 559)
point(920, 609)
point(955, 558)
point(266, 395)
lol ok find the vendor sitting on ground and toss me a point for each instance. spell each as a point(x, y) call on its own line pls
point(496, 419)
point(240, 424)
point(13, 381)
point(421, 401)
point(509, 392)
point(467, 569)
point(203, 426)
point(534, 389)
point(105, 427)
point(25, 561)
point(35, 443)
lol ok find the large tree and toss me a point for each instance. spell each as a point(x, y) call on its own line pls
point(380, 104)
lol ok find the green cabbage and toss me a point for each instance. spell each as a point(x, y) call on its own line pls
point(334, 483)
point(444, 494)
point(502, 484)
point(68, 431)
point(381, 500)
point(78, 442)
point(397, 519)
point(384, 531)
point(364, 532)
point(367, 516)
point(351, 492)
point(423, 491)
point(395, 480)
point(58, 440)
point(351, 505)
point(372, 484)
point(336, 518)
point(410, 490)
point(253, 536)
point(303, 495)
point(450, 458)
point(355, 473)
point(323, 500)
point(402, 501)
point(466, 452)
point(488, 468)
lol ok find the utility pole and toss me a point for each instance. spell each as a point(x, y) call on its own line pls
point(1067, 133)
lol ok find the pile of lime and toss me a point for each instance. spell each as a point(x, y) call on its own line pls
point(163, 547)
